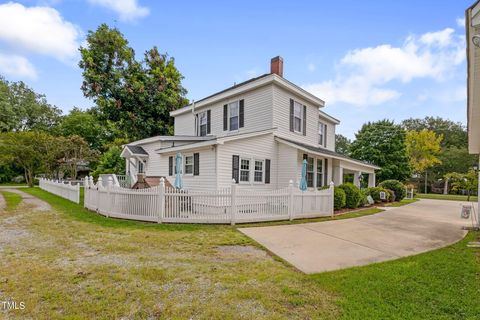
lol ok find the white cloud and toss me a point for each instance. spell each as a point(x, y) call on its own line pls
point(40, 30)
point(461, 22)
point(127, 10)
point(16, 66)
point(363, 73)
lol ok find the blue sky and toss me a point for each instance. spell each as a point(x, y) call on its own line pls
point(368, 60)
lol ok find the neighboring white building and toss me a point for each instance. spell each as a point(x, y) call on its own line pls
point(257, 132)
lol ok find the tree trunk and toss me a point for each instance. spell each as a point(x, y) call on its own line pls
point(426, 182)
point(468, 195)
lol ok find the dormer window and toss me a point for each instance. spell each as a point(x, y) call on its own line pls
point(298, 116)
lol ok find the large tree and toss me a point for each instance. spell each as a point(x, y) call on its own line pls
point(22, 109)
point(383, 144)
point(342, 144)
point(454, 133)
point(136, 95)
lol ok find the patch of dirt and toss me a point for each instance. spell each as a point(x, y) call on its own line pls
point(28, 199)
point(249, 251)
point(2, 202)
point(11, 236)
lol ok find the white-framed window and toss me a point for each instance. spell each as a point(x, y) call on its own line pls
point(244, 170)
point(259, 170)
point(140, 166)
point(310, 172)
point(188, 164)
point(321, 133)
point(202, 123)
point(297, 116)
point(233, 115)
point(319, 173)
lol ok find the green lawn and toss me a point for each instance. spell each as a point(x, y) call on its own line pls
point(12, 200)
point(456, 197)
point(402, 202)
point(72, 263)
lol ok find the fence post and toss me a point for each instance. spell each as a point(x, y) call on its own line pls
point(109, 193)
point(233, 202)
point(161, 200)
point(290, 200)
point(332, 198)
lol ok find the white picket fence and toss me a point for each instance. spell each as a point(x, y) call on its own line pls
point(229, 205)
point(62, 189)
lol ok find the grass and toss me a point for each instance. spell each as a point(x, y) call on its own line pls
point(75, 264)
point(12, 200)
point(441, 284)
point(455, 197)
point(402, 203)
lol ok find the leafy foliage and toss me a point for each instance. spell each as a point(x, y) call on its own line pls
point(464, 181)
point(110, 162)
point(423, 148)
point(353, 195)
point(342, 144)
point(21, 109)
point(454, 133)
point(383, 144)
point(137, 95)
point(339, 198)
point(396, 186)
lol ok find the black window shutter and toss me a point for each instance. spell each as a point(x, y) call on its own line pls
point(196, 164)
point(225, 117)
point(325, 173)
point(235, 168)
point(170, 166)
point(196, 125)
point(241, 113)
point(304, 120)
point(209, 117)
point(267, 170)
point(325, 136)
point(291, 115)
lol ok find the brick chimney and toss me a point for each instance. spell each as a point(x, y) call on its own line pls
point(276, 66)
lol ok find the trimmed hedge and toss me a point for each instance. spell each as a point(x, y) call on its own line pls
point(353, 195)
point(375, 193)
point(396, 186)
point(339, 198)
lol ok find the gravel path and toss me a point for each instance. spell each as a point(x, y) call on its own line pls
point(39, 205)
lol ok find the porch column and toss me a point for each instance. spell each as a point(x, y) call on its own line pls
point(356, 178)
point(337, 175)
point(371, 180)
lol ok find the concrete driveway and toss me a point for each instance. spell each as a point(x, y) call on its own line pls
point(398, 232)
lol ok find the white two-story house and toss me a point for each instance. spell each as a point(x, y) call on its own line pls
point(257, 133)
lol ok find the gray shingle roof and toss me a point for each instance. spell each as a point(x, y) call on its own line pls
point(137, 150)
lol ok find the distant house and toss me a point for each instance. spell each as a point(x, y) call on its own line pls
point(256, 132)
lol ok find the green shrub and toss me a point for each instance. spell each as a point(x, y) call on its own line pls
point(391, 195)
point(375, 193)
point(339, 198)
point(353, 195)
point(364, 200)
point(396, 186)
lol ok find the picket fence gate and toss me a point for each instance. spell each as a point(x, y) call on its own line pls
point(230, 205)
point(63, 189)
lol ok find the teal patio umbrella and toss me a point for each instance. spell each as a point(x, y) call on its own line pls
point(303, 181)
point(178, 171)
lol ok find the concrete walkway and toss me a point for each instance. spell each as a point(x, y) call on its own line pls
point(324, 246)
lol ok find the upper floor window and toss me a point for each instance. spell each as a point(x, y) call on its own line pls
point(233, 115)
point(202, 123)
point(297, 116)
point(322, 134)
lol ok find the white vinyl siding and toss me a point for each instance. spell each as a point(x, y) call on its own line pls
point(281, 119)
point(185, 124)
point(257, 148)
